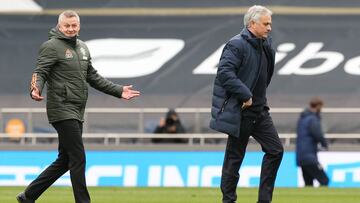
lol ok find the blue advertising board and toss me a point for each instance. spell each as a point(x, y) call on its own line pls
point(169, 169)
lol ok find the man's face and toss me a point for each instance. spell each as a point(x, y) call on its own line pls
point(70, 27)
point(262, 28)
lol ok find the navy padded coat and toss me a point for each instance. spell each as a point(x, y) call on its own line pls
point(309, 134)
point(238, 71)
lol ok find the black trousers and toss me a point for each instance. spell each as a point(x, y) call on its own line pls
point(71, 157)
point(314, 171)
point(261, 127)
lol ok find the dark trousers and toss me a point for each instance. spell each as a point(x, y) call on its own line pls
point(71, 157)
point(261, 127)
point(314, 171)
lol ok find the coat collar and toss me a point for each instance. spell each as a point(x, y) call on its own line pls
point(56, 33)
point(254, 41)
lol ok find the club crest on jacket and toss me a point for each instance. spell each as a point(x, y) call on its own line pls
point(68, 54)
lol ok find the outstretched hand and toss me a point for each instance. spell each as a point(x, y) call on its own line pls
point(129, 93)
point(35, 94)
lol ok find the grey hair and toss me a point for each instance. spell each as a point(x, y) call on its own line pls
point(68, 14)
point(254, 13)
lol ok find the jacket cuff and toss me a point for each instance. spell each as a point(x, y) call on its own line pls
point(120, 90)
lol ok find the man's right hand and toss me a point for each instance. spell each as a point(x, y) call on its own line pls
point(129, 93)
point(35, 94)
point(247, 104)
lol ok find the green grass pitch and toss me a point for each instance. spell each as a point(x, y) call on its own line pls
point(188, 195)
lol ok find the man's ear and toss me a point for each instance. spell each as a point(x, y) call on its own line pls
point(251, 23)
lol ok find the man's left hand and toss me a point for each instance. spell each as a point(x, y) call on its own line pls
point(129, 93)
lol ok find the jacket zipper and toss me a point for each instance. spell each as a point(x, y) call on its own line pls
point(79, 62)
point(223, 106)
point(80, 71)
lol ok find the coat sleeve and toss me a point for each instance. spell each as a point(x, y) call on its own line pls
point(102, 84)
point(317, 133)
point(229, 65)
point(46, 59)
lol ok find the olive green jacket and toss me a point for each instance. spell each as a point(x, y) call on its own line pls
point(64, 64)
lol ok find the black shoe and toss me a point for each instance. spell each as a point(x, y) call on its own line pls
point(21, 198)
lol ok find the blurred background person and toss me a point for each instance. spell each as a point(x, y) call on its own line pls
point(309, 135)
point(170, 124)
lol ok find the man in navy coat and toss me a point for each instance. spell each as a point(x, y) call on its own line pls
point(309, 135)
point(239, 104)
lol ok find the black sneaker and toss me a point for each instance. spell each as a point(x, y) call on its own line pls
point(21, 198)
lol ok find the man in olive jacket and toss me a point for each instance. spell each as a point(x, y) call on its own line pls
point(239, 104)
point(64, 63)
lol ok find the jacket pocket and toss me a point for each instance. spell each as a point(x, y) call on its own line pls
point(229, 118)
point(222, 109)
point(73, 95)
